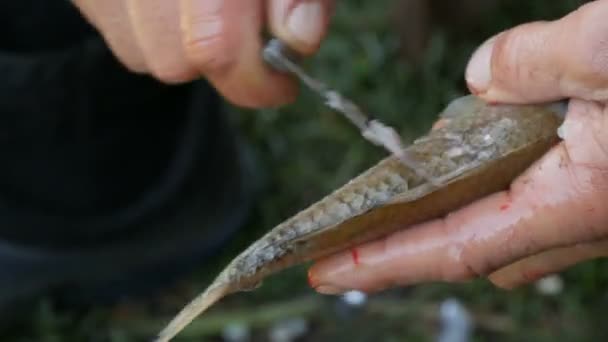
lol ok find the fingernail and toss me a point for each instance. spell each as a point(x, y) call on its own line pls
point(479, 70)
point(305, 22)
point(330, 290)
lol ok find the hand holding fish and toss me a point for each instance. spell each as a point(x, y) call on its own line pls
point(550, 217)
point(554, 215)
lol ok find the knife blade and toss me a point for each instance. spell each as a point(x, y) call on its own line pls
point(282, 58)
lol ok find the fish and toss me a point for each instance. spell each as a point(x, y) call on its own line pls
point(477, 149)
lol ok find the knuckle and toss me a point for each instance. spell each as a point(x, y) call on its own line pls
point(463, 271)
point(592, 34)
point(470, 263)
point(468, 270)
point(597, 53)
point(462, 267)
point(507, 52)
point(512, 48)
point(593, 56)
point(503, 55)
point(209, 52)
point(460, 254)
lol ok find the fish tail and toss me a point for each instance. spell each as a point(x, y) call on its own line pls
point(198, 305)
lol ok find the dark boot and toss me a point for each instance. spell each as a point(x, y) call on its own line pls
point(111, 183)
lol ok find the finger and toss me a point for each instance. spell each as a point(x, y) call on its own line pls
point(560, 201)
point(544, 61)
point(223, 41)
point(156, 24)
point(112, 20)
point(302, 24)
point(535, 267)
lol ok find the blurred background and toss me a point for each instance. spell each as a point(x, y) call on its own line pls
point(403, 60)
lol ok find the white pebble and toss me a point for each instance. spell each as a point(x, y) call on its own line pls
point(354, 298)
point(236, 332)
point(288, 330)
point(550, 286)
point(456, 322)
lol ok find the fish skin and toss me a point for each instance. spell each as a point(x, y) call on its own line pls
point(479, 150)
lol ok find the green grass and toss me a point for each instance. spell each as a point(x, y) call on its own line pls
point(308, 151)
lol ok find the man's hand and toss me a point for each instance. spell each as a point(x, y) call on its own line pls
point(180, 40)
point(553, 216)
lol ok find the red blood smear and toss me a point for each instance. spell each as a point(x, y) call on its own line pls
point(355, 253)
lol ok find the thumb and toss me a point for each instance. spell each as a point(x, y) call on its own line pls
point(545, 61)
point(300, 23)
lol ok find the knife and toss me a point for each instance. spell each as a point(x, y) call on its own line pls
point(282, 58)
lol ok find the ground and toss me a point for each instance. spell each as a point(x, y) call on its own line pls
point(306, 151)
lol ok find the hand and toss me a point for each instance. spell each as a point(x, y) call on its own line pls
point(178, 41)
point(554, 215)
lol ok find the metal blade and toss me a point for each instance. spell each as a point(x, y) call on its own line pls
point(280, 57)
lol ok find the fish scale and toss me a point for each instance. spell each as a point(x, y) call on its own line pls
point(498, 143)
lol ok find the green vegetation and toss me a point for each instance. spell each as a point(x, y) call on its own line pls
point(306, 151)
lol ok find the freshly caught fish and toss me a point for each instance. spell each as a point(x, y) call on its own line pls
point(479, 150)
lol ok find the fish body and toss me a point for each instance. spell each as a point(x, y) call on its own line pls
point(479, 150)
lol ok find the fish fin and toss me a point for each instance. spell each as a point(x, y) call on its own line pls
point(197, 306)
point(424, 189)
point(460, 106)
